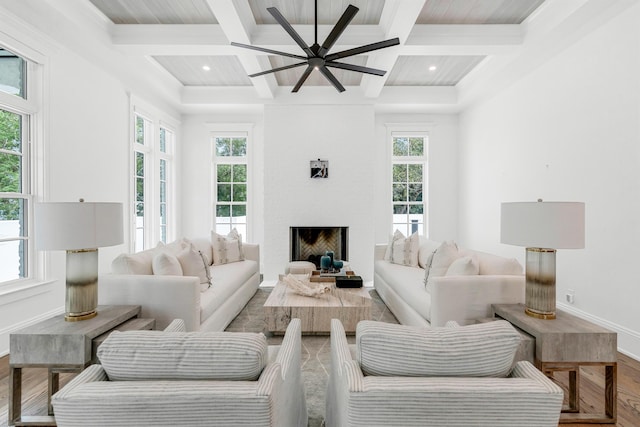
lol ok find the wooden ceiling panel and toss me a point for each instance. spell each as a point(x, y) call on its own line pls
point(156, 11)
point(477, 11)
point(414, 70)
point(329, 11)
point(224, 70)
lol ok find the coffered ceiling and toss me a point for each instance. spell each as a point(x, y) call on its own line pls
point(450, 51)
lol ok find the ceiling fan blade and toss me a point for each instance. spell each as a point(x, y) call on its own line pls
point(332, 79)
point(302, 79)
point(289, 29)
point(286, 67)
point(262, 49)
point(338, 29)
point(358, 68)
point(363, 49)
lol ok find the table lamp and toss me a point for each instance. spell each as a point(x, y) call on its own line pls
point(79, 228)
point(542, 227)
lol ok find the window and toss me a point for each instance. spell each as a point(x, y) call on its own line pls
point(230, 175)
point(153, 148)
point(16, 115)
point(409, 166)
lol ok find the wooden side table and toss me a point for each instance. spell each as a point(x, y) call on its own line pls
point(62, 346)
point(565, 344)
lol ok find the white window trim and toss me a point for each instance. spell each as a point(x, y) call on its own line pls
point(35, 107)
point(231, 130)
point(158, 118)
point(407, 129)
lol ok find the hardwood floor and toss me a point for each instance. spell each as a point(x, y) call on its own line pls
point(591, 391)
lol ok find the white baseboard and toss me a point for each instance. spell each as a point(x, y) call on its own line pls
point(628, 339)
point(4, 333)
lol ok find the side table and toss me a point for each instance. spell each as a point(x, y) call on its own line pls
point(62, 346)
point(565, 344)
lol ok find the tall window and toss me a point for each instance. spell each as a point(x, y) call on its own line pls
point(409, 166)
point(230, 173)
point(16, 114)
point(153, 151)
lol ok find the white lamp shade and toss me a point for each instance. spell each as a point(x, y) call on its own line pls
point(77, 225)
point(552, 225)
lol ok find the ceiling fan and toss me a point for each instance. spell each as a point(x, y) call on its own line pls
point(318, 56)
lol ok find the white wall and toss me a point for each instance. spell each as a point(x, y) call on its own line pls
point(569, 130)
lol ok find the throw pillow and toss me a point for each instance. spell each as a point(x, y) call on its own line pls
point(138, 263)
point(404, 250)
point(463, 266)
point(227, 249)
point(482, 350)
point(193, 264)
point(425, 253)
point(155, 355)
point(166, 264)
point(442, 258)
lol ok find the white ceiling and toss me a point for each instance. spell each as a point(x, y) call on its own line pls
point(476, 46)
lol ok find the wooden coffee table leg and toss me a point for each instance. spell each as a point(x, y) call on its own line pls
point(54, 386)
point(574, 390)
point(611, 390)
point(15, 394)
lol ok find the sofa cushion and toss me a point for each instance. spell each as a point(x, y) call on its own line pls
point(407, 283)
point(482, 350)
point(227, 249)
point(154, 355)
point(193, 263)
point(138, 263)
point(463, 266)
point(426, 251)
point(494, 264)
point(166, 264)
point(226, 280)
point(203, 245)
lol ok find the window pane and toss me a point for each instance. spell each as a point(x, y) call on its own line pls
point(399, 173)
point(140, 189)
point(223, 211)
point(242, 229)
point(415, 173)
point(224, 192)
point(239, 147)
point(239, 211)
point(224, 173)
point(12, 215)
point(239, 192)
point(416, 146)
point(163, 170)
point(163, 140)
point(400, 209)
point(10, 173)
point(140, 130)
point(163, 233)
point(140, 211)
point(239, 173)
point(10, 131)
point(140, 164)
point(415, 192)
point(399, 192)
point(12, 254)
point(223, 228)
point(416, 209)
point(400, 146)
point(163, 214)
point(223, 146)
point(12, 73)
point(163, 192)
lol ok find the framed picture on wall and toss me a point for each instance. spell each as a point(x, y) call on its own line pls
point(319, 168)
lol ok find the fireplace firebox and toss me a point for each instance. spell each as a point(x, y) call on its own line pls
point(310, 243)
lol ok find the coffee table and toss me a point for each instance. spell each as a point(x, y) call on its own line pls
point(348, 305)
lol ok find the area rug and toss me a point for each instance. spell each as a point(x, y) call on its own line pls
point(315, 349)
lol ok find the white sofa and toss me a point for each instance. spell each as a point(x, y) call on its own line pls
point(402, 376)
point(153, 378)
point(168, 297)
point(461, 298)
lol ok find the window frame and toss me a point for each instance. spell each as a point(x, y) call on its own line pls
point(235, 130)
point(409, 131)
point(33, 166)
point(152, 228)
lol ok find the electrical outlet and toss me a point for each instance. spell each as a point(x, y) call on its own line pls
point(571, 296)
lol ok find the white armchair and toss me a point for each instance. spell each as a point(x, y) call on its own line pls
point(407, 376)
point(153, 378)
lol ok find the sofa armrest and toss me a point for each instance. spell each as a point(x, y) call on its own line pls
point(251, 251)
point(379, 250)
point(92, 374)
point(468, 298)
point(524, 369)
point(163, 298)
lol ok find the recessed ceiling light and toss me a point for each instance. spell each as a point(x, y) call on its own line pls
point(432, 68)
point(206, 68)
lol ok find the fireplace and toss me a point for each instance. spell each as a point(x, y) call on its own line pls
point(310, 243)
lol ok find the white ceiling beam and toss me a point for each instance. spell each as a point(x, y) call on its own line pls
point(397, 19)
point(237, 24)
point(211, 39)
